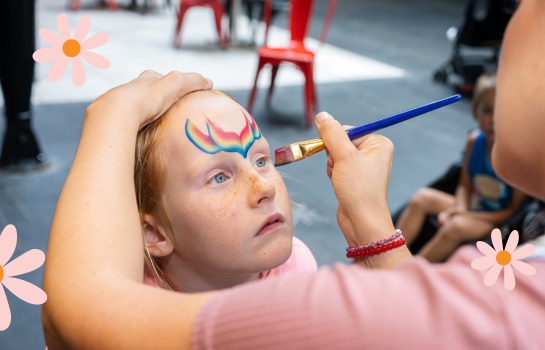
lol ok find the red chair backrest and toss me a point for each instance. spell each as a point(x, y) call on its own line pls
point(299, 19)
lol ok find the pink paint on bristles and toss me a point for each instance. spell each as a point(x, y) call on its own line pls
point(283, 156)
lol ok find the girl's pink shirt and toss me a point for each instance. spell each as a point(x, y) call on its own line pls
point(301, 259)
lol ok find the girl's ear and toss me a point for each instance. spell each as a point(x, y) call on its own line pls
point(156, 239)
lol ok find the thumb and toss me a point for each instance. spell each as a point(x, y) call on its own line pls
point(334, 136)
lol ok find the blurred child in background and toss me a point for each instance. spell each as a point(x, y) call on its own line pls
point(482, 200)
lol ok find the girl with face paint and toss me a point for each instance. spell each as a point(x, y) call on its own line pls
point(214, 210)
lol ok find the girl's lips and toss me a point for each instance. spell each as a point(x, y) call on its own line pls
point(270, 224)
point(269, 228)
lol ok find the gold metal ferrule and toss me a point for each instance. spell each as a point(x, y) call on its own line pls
point(305, 149)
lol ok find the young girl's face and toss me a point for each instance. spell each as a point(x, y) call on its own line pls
point(484, 114)
point(230, 211)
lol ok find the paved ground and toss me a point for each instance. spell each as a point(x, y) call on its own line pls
point(408, 35)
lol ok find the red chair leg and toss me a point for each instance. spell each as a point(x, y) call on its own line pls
point(273, 77)
point(309, 89)
point(112, 4)
point(252, 94)
point(75, 5)
point(178, 32)
point(218, 14)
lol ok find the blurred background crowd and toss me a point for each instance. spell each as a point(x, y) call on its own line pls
point(285, 60)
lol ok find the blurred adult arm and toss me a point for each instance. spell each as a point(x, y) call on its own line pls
point(519, 123)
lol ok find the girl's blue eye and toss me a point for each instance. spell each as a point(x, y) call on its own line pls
point(261, 163)
point(219, 178)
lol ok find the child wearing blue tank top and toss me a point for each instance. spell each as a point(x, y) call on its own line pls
point(482, 200)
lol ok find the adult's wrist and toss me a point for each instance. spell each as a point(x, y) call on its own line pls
point(374, 226)
point(387, 260)
point(370, 225)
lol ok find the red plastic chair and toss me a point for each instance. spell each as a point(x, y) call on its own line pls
point(75, 4)
point(216, 5)
point(295, 52)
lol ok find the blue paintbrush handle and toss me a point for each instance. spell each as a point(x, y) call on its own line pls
point(398, 118)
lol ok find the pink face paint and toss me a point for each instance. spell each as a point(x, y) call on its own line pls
point(220, 140)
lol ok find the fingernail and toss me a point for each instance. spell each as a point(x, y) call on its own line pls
point(210, 83)
point(322, 116)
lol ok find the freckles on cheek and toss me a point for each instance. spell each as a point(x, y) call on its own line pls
point(224, 207)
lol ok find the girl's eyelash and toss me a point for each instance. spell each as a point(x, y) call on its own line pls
point(214, 176)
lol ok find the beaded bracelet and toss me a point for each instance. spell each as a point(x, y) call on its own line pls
point(378, 247)
point(373, 245)
point(377, 250)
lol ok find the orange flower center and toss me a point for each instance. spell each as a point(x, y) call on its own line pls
point(503, 257)
point(1, 273)
point(71, 48)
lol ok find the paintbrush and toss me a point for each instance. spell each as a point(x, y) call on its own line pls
point(304, 149)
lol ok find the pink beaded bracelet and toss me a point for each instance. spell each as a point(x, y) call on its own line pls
point(373, 245)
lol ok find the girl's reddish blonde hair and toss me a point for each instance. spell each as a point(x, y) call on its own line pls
point(150, 170)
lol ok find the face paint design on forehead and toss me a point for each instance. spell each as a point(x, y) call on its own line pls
point(220, 140)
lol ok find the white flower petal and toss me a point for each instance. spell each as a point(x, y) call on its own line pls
point(483, 263)
point(492, 275)
point(512, 241)
point(508, 277)
point(523, 267)
point(5, 314)
point(496, 240)
point(523, 252)
point(486, 249)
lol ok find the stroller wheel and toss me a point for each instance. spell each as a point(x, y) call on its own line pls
point(440, 76)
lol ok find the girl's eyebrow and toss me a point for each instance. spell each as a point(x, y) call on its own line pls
point(193, 169)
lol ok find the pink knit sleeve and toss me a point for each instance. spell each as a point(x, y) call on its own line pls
point(416, 306)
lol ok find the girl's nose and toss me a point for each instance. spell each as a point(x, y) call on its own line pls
point(261, 190)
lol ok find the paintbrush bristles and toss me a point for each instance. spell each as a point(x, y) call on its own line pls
point(283, 156)
point(297, 151)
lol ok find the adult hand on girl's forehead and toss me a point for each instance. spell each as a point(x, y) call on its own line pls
point(149, 96)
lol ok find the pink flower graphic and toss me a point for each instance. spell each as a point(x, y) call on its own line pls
point(65, 48)
point(497, 258)
point(27, 262)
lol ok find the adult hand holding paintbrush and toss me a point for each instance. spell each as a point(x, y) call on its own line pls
point(360, 177)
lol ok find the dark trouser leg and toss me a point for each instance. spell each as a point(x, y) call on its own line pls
point(17, 39)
